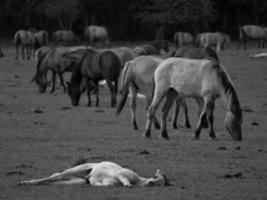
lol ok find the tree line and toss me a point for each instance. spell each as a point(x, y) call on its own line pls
point(133, 19)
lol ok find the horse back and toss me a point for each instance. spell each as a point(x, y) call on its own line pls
point(110, 64)
point(254, 31)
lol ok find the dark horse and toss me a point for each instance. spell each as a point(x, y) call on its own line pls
point(93, 67)
point(49, 59)
point(24, 39)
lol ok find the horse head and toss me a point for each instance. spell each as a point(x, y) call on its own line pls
point(157, 180)
point(75, 93)
point(233, 126)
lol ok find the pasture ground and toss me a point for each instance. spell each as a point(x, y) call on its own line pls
point(42, 133)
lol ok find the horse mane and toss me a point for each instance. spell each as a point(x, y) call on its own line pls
point(229, 91)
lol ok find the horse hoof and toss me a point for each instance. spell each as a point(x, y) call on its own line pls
point(165, 137)
point(213, 138)
point(187, 125)
point(195, 137)
point(147, 134)
point(157, 126)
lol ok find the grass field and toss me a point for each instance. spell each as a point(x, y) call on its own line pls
point(42, 133)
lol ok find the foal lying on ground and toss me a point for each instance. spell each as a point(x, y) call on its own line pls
point(100, 174)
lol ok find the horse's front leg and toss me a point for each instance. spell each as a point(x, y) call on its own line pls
point(53, 81)
point(62, 82)
point(112, 92)
point(96, 93)
point(171, 95)
point(133, 107)
point(22, 52)
point(210, 110)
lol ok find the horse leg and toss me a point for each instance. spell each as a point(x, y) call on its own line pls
point(22, 51)
point(175, 114)
point(112, 92)
point(62, 82)
point(210, 110)
point(96, 93)
point(133, 107)
point(159, 95)
point(171, 95)
point(200, 104)
point(53, 81)
point(149, 98)
point(184, 107)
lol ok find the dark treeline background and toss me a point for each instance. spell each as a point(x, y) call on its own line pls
point(132, 19)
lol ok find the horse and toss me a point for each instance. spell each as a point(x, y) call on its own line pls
point(95, 66)
point(65, 37)
point(1, 53)
point(24, 39)
point(218, 39)
point(41, 38)
point(252, 32)
point(100, 174)
point(200, 79)
point(96, 34)
point(138, 75)
point(49, 59)
point(182, 39)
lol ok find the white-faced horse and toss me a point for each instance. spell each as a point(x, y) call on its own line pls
point(138, 76)
point(218, 39)
point(252, 32)
point(25, 39)
point(182, 39)
point(100, 174)
point(96, 34)
point(200, 79)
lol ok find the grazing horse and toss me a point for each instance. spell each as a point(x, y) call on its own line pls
point(41, 38)
point(95, 66)
point(24, 39)
point(55, 59)
point(100, 174)
point(182, 39)
point(1, 53)
point(49, 59)
point(65, 37)
point(252, 32)
point(199, 79)
point(138, 75)
point(96, 34)
point(218, 39)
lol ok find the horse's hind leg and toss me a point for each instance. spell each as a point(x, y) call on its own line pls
point(181, 102)
point(200, 104)
point(149, 98)
point(62, 82)
point(17, 52)
point(112, 92)
point(133, 107)
point(171, 95)
point(53, 81)
point(22, 52)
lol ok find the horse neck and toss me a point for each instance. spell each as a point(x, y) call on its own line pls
point(77, 76)
point(229, 95)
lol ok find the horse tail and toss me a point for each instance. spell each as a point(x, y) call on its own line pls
point(242, 33)
point(37, 74)
point(17, 39)
point(125, 80)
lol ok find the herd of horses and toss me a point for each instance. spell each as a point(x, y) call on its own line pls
point(150, 69)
